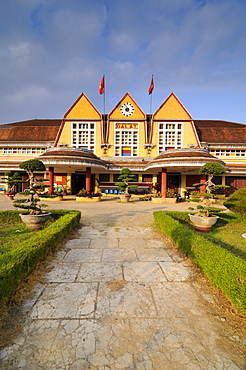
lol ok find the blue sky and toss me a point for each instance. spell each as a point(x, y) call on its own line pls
point(53, 50)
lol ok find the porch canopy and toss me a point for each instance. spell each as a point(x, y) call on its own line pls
point(71, 160)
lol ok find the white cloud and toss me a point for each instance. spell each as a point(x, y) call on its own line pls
point(56, 49)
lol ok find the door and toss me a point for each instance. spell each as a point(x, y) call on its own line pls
point(78, 182)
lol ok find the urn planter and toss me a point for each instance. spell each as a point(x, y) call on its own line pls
point(203, 223)
point(35, 222)
point(125, 198)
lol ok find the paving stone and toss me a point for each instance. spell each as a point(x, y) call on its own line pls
point(119, 255)
point(143, 272)
point(124, 299)
point(154, 255)
point(82, 243)
point(176, 271)
point(100, 272)
point(66, 300)
point(83, 255)
point(62, 272)
point(104, 243)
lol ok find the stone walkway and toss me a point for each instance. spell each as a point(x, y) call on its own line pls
point(118, 295)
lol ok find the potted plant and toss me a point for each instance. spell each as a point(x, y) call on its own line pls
point(84, 196)
point(204, 218)
point(35, 217)
point(125, 176)
point(11, 180)
point(211, 169)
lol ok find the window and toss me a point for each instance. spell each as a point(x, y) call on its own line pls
point(104, 177)
point(126, 140)
point(228, 152)
point(147, 178)
point(83, 135)
point(170, 136)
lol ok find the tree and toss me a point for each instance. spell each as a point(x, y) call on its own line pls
point(35, 185)
point(211, 169)
point(11, 180)
point(126, 176)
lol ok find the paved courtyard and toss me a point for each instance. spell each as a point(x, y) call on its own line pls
point(118, 295)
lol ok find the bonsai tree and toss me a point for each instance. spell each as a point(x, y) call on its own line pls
point(211, 169)
point(126, 176)
point(31, 203)
point(11, 180)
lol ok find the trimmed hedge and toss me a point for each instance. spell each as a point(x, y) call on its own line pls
point(236, 202)
point(18, 263)
point(224, 269)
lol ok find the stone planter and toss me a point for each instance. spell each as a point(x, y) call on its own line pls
point(35, 222)
point(55, 199)
point(156, 200)
point(203, 223)
point(125, 198)
point(86, 199)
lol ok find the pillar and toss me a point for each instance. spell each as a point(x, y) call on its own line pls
point(203, 179)
point(223, 180)
point(164, 182)
point(183, 185)
point(51, 180)
point(88, 179)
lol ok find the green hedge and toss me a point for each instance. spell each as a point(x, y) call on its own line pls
point(18, 263)
point(237, 202)
point(224, 269)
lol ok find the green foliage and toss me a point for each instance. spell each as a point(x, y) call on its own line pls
point(36, 185)
point(236, 202)
point(171, 193)
point(11, 180)
point(126, 176)
point(19, 261)
point(224, 266)
point(32, 165)
point(212, 168)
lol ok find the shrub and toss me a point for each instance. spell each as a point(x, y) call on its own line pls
point(236, 202)
point(224, 269)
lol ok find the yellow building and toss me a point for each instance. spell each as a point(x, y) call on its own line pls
point(165, 149)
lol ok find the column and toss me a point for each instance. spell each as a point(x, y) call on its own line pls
point(164, 182)
point(88, 179)
point(203, 179)
point(183, 185)
point(51, 180)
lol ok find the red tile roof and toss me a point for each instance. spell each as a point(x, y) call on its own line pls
point(212, 131)
point(36, 130)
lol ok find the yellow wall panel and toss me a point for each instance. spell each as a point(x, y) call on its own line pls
point(172, 108)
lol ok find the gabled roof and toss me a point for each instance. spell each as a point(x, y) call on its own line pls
point(137, 114)
point(172, 108)
point(212, 131)
point(36, 130)
point(83, 108)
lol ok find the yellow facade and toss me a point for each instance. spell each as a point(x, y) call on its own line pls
point(136, 120)
point(82, 111)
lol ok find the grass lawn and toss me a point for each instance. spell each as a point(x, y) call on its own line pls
point(21, 249)
point(227, 233)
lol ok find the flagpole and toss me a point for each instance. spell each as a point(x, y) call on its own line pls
point(150, 103)
point(104, 98)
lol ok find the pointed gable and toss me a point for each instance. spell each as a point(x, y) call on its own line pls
point(172, 109)
point(82, 109)
point(120, 112)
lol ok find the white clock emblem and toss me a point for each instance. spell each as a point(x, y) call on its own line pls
point(127, 109)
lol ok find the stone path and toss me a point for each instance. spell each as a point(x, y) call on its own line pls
point(117, 295)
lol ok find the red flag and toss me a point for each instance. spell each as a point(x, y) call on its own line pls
point(151, 86)
point(101, 86)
